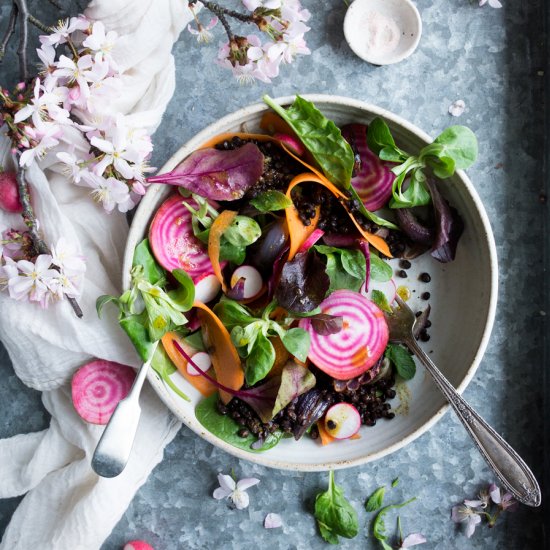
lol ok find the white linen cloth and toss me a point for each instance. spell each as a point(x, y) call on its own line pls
point(67, 506)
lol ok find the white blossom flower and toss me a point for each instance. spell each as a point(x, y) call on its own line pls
point(466, 515)
point(110, 192)
point(7, 271)
point(63, 29)
point(235, 491)
point(45, 138)
point(38, 107)
point(101, 42)
point(66, 257)
point(202, 32)
point(32, 280)
point(74, 167)
point(506, 501)
point(266, 4)
point(46, 54)
point(78, 73)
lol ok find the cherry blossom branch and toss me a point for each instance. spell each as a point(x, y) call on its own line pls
point(30, 221)
point(23, 38)
point(9, 31)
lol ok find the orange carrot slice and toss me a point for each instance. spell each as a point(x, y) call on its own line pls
point(297, 231)
point(220, 224)
point(199, 382)
point(274, 124)
point(281, 357)
point(225, 359)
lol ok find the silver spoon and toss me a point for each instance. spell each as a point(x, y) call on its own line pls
point(115, 446)
point(510, 469)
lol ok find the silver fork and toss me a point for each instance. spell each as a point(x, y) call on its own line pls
point(510, 469)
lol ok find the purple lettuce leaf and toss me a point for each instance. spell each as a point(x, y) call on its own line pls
point(449, 227)
point(325, 324)
point(303, 283)
point(217, 175)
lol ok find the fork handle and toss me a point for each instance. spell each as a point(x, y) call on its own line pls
point(510, 469)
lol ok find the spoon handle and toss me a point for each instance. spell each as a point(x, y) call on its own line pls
point(113, 450)
point(510, 469)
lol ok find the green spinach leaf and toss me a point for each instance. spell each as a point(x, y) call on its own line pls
point(242, 232)
point(379, 526)
point(402, 359)
point(380, 270)
point(346, 268)
point(224, 427)
point(321, 137)
point(335, 516)
point(260, 359)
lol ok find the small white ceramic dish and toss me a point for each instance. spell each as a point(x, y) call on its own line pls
point(382, 32)
point(463, 299)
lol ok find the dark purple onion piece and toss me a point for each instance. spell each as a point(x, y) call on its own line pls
point(449, 226)
point(268, 248)
point(310, 407)
point(237, 291)
point(410, 225)
point(278, 265)
point(354, 384)
point(340, 385)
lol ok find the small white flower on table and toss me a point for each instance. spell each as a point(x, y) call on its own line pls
point(235, 490)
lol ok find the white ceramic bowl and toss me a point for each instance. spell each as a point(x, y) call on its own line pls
point(382, 32)
point(463, 305)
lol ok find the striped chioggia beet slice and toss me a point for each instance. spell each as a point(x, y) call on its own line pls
point(172, 240)
point(373, 180)
point(358, 346)
point(97, 388)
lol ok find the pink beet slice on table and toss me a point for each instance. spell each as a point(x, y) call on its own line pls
point(137, 545)
point(97, 388)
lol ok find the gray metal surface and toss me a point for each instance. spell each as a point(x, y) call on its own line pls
point(493, 60)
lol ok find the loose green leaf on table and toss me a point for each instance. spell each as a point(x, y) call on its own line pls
point(321, 137)
point(379, 526)
point(402, 359)
point(335, 516)
point(375, 501)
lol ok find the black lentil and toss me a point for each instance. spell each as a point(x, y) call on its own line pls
point(405, 264)
point(425, 295)
point(425, 277)
point(402, 273)
point(424, 336)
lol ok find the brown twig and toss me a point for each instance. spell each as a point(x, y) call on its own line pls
point(30, 221)
point(23, 38)
point(38, 24)
point(9, 31)
point(56, 4)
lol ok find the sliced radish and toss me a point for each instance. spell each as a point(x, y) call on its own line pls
point(207, 287)
point(342, 421)
point(98, 387)
point(202, 359)
point(172, 240)
point(292, 142)
point(247, 282)
point(388, 288)
point(358, 346)
point(311, 240)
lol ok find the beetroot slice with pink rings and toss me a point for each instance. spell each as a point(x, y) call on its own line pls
point(97, 388)
point(358, 346)
point(172, 240)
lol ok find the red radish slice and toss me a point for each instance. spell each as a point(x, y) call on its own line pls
point(374, 178)
point(342, 421)
point(98, 387)
point(137, 545)
point(311, 240)
point(172, 240)
point(207, 287)
point(292, 142)
point(202, 359)
point(358, 346)
point(388, 288)
point(253, 282)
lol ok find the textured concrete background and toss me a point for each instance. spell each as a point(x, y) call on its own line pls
point(493, 60)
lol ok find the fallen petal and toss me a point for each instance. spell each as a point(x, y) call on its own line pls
point(457, 107)
point(272, 521)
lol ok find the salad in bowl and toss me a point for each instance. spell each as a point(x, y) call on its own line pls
point(268, 263)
